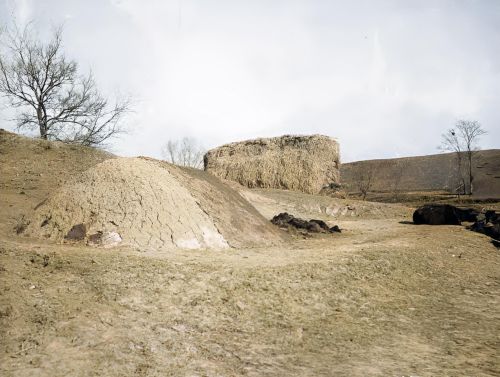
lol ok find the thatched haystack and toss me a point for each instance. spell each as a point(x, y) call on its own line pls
point(300, 163)
point(150, 204)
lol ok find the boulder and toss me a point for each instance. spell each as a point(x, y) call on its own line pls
point(444, 214)
point(436, 214)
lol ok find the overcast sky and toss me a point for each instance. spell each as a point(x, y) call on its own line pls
point(384, 77)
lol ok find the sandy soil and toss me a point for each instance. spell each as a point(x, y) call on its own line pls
point(383, 298)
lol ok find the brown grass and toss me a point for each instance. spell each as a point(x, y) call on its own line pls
point(299, 163)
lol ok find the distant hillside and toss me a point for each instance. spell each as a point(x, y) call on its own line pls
point(427, 173)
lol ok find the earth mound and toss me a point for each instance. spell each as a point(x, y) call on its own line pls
point(298, 163)
point(149, 204)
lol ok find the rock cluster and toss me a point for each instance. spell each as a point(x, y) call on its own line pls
point(488, 223)
point(285, 220)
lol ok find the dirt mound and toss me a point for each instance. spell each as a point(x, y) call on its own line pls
point(32, 169)
point(299, 163)
point(149, 204)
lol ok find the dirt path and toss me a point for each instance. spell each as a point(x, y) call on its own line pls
point(382, 298)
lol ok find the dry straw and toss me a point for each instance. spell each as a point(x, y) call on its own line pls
point(299, 163)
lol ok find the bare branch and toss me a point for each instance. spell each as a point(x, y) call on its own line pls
point(184, 152)
point(37, 79)
point(463, 141)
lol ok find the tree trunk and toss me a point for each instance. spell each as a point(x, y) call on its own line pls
point(42, 124)
point(43, 132)
point(470, 172)
point(461, 174)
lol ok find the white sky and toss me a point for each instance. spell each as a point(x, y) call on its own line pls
point(385, 77)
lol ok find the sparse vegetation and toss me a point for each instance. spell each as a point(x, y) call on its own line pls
point(362, 181)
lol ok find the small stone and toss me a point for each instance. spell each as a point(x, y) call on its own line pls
point(106, 239)
point(77, 233)
point(179, 328)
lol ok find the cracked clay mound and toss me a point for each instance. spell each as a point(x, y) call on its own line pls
point(150, 204)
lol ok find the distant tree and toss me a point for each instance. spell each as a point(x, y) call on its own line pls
point(463, 141)
point(362, 180)
point(451, 142)
point(184, 152)
point(399, 170)
point(38, 79)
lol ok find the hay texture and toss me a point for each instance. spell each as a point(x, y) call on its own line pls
point(150, 204)
point(299, 163)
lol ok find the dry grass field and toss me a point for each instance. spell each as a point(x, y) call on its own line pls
point(383, 298)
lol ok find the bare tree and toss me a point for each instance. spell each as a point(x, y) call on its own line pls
point(399, 170)
point(463, 141)
point(451, 142)
point(50, 95)
point(184, 152)
point(362, 180)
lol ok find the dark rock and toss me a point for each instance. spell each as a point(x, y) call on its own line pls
point(286, 220)
point(321, 224)
point(488, 223)
point(492, 216)
point(437, 214)
point(282, 219)
point(444, 214)
point(95, 238)
point(77, 233)
point(467, 214)
point(335, 228)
